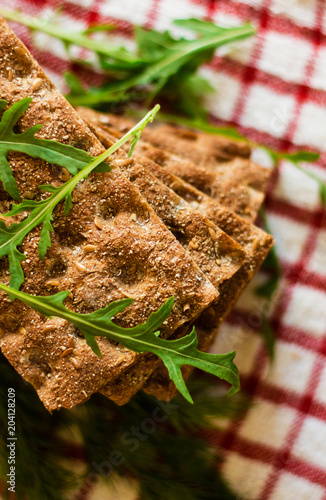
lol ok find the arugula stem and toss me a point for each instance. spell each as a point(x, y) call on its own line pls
point(57, 32)
point(69, 185)
point(189, 48)
point(33, 302)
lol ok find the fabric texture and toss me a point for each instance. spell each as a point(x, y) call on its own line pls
point(273, 88)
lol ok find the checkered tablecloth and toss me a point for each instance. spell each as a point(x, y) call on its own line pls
point(273, 87)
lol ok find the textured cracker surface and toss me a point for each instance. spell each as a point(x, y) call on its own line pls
point(135, 254)
point(255, 243)
point(216, 254)
point(229, 159)
point(225, 189)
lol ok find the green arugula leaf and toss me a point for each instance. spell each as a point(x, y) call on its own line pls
point(54, 152)
point(74, 83)
point(91, 95)
point(120, 62)
point(295, 158)
point(299, 156)
point(201, 27)
point(172, 61)
point(140, 127)
point(161, 65)
point(152, 44)
point(192, 97)
point(141, 338)
point(41, 211)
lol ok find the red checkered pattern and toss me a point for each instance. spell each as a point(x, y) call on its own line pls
point(273, 88)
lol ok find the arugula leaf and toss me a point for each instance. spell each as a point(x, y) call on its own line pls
point(54, 152)
point(152, 44)
point(158, 59)
point(41, 211)
point(297, 156)
point(172, 60)
point(99, 27)
point(141, 338)
point(161, 64)
point(140, 127)
point(74, 83)
point(201, 27)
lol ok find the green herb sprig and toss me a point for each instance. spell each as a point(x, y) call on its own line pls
point(54, 152)
point(77, 161)
point(161, 63)
point(142, 338)
point(163, 66)
point(160, 66)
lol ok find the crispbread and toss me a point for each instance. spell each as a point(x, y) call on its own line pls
point(242, 199)
point(255, 242)
point(229, 159)
point(216, 254)
point(212, 147)
point(134, 258)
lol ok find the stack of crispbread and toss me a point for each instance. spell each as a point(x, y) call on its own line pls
point(139, 231)
point(232, 206)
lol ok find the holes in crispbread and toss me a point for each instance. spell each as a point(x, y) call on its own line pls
point(107, 211)
point(69, 238)
point(130, 273)
point(56, 267)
